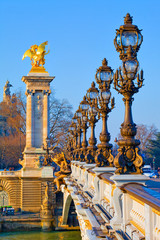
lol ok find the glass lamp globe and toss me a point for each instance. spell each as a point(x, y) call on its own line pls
point(130, 68)
point(92, 95)
point(84, 118)
point(78, 114)
point(92, 92)
point(93, 111)
point(84, 105)
point(128, 35)
point(105, 95)
point(104, 76)
point(104, 73)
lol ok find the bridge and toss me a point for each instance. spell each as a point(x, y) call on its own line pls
point(108, 206)
point(110, 196)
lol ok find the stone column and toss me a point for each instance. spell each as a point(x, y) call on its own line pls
point(29, 119)
point(46, 115)
point(37, 123)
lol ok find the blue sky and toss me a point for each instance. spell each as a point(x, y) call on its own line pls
point(80, 34)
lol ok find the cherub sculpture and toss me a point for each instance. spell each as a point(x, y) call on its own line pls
point(65, 169)
point(36, 54)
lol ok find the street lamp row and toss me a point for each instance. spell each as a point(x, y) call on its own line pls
point(97, 103)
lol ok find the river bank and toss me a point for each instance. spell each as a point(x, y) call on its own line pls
point(30, 222)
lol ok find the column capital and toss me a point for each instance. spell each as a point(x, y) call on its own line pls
point(29, 92)
point(47, 92)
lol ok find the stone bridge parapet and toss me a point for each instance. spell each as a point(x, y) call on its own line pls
point(112, 207)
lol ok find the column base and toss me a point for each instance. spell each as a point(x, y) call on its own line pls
point(31, 157)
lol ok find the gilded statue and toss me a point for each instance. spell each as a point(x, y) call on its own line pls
point(65, 169)
point(36, 54)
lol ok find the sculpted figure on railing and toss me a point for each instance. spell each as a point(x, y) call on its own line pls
point(65, 169)
point(59, 159)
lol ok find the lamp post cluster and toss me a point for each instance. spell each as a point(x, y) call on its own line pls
point(97, 103)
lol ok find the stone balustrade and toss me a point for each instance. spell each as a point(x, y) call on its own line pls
point(129, 209)
point(10, 173)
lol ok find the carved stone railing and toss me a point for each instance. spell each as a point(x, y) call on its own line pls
point(10, 173)
point(130, 209)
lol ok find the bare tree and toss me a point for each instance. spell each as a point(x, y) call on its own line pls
point(13, 111)
point(60, 120)
point(10, 150)
point(144, 134)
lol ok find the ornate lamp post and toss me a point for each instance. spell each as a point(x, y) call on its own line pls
point(69, 146)
point(74, 124)
point(104, 77)
point(84, 106)
point(72, 143)
point(127, 43)
point(91, 96)
point(78, 116)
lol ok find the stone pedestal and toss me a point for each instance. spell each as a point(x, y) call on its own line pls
point(99, 170)
point(117, 221)
point(31, 157)
point(37, 118)
point(87, 166)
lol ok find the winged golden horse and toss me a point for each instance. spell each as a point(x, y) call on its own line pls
point(36, 54)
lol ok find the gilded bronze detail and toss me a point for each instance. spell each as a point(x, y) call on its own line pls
point(36, 54)
point(65, 170)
